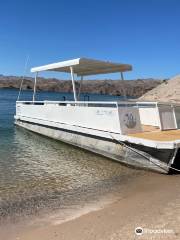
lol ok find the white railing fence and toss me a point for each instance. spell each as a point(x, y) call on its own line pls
point(163, 115)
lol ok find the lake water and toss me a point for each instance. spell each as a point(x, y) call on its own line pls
point(40, 176)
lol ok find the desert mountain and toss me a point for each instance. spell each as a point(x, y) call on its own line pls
point(133, 88)
point(168, 91)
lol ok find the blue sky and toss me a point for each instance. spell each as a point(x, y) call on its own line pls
point(144, 33)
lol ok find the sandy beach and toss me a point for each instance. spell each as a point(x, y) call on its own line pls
point(151, 202)
point(90, 120)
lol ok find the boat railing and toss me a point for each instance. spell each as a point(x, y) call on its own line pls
point(160, 114)
point(71, 103)
point(102, 103)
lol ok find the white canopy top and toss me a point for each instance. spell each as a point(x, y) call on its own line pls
point(84, 67)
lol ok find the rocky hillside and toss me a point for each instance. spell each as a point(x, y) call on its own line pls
point(134, 88)
point(169, 91)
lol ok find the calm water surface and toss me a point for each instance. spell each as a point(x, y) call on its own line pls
point(38, 174)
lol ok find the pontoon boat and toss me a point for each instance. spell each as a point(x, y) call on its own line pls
point(140, 134)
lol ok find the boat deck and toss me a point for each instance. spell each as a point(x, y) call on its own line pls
point(158, 135)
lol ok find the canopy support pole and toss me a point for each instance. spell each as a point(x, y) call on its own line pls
point(73, 83)
point(123, 86)
point(80, 87)
point(35, 81)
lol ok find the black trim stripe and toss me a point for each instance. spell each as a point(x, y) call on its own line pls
point(69, 131)
point(164, 155)
point(63, 124)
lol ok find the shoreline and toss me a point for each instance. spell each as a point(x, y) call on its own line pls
point(134, 88)
point(150, 202)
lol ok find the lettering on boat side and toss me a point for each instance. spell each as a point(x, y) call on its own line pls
point(129, 120)
point(104, 112)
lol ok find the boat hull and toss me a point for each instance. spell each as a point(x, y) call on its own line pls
point(134, 155)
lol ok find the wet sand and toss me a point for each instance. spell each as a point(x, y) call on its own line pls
point(152, 202)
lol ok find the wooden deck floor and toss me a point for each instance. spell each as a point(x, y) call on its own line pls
point(168, 135)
